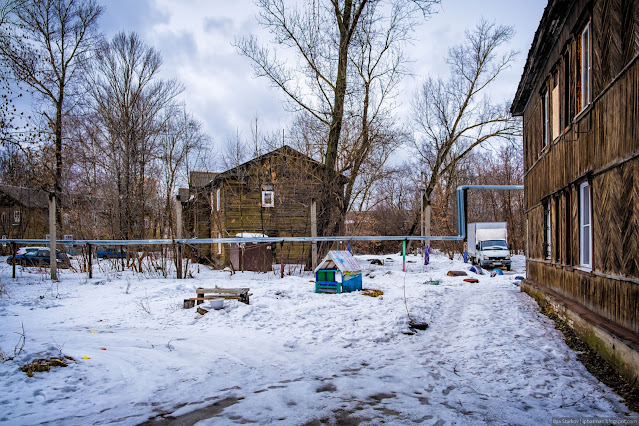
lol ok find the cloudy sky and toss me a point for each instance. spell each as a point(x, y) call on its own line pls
point(195, 36)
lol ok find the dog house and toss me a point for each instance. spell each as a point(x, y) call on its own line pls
point(339, 272)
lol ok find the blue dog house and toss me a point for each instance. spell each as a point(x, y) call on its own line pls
point(339, 272)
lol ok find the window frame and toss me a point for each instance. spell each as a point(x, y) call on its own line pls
point(545, 118)
point(547, 244)
point(218, 198)
point(16, 217)
point(585, 67)
point(555, 105)
point(268, 191)
point(270, 194)
point(585, 188)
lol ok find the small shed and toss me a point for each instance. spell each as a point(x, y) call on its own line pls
point(339, 272)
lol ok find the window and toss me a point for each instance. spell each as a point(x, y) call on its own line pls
point(67, 218)
point(568, 225)
point(566, 84)
point(554, 107)
point(268, 196)
point(583, 47)
point(68, 237)
point(585, 225)
point(545, 113)
point(218, 196)
point(16, 216)
point(547, 230)
point(557, 209)
point(146, 223)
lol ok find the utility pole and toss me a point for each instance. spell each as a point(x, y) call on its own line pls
point(53, 265)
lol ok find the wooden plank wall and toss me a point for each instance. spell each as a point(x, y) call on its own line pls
point(600, 145)
point(296, 182)
point(613, 299)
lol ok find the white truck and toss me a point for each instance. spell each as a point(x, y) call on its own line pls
point(488, 244)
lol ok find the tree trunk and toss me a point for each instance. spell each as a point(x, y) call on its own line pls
point(57, 184)
point(331, 184)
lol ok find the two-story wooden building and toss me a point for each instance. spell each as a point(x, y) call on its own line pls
point(269, 195)
point(579, 98)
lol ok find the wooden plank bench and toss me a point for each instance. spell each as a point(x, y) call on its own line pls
point(239, 294)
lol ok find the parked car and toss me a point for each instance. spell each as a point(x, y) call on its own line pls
point(38, 256)
point(113, 253)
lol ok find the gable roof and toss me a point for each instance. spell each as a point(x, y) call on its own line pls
point(27, 197)
point(340, 259)
point(200, 179)
point(546, 37)
point(238, 172)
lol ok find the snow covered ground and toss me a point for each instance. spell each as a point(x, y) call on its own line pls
point(291, 356)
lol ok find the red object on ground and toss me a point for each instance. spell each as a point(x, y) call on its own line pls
point(471, 280)
point(103, 349)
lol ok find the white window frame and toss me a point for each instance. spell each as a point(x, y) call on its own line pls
point(219, 245)
point(266, 194)
point(218, 198)
point(585, 229)
point(548, 231)
point(546, 118)
point(16, 216)
point(586, 66)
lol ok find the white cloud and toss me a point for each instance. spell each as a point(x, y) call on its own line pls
point(195, 38)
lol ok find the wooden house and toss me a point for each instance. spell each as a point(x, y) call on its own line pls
point(23, 212)
point(271, 195)
point(579, 98)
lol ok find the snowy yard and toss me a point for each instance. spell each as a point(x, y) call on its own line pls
point(291, 356)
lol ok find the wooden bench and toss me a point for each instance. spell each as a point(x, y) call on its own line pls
point(240, 294)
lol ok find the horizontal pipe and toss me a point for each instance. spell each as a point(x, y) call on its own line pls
point(196, 241)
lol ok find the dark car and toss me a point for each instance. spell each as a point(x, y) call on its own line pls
point(38, 256)
point(113, 253)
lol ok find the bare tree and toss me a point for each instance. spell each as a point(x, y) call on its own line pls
point(320, 35)
point(126, 102)
point(456, 115)
point(179, 141)
point(48, 50)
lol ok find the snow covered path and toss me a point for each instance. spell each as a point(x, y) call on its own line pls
point(292, 356)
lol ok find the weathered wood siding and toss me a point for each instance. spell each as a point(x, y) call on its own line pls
point(600, 145)
point(296, 181)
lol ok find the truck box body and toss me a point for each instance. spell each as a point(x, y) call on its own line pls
point(488, 244)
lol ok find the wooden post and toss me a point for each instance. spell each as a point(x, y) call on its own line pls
point(178, 234)
point(90, 266)
point(179, 261)
point(282, 258)
point(53, 261)
point(314, 233)
point(13, 263)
